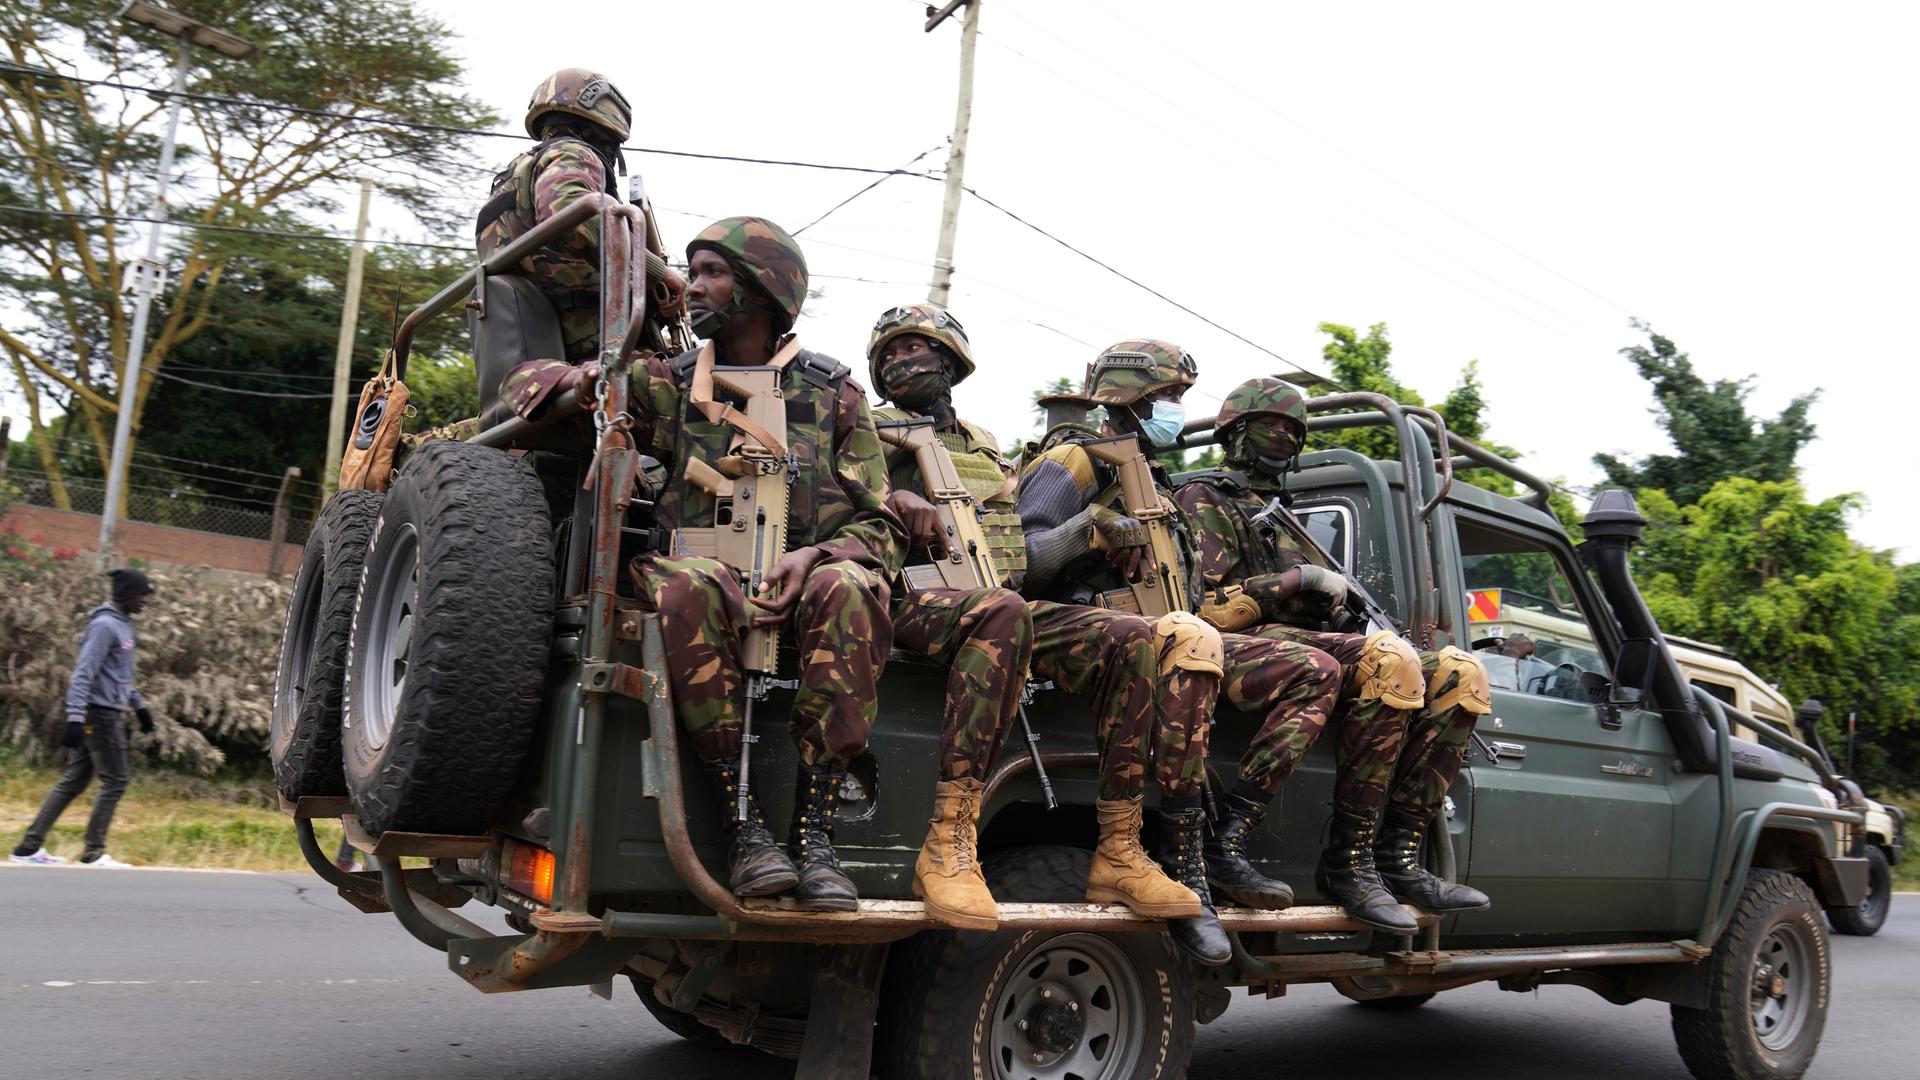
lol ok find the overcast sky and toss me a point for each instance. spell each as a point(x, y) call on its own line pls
point(1501, 182)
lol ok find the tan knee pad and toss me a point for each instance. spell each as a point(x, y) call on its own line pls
point(1389, 671)
point(1184, 642)
point(1471, 691)
point(1230, 609)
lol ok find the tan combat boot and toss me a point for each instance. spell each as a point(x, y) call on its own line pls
point(1122, 872)
point(947, 874)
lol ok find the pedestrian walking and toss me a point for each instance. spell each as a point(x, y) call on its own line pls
point(98, 697)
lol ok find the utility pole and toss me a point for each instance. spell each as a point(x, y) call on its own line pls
point(146, 275)
point(277, 531)
point(343, 351)
point(957, 149)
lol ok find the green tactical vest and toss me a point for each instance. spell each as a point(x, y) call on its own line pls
point(977, 459)
point(811, 383)
point(510, 212)
point(1268, 548)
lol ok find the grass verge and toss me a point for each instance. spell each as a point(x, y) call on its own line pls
point(168, 819)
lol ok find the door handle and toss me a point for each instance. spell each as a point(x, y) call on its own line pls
point(1509, 751)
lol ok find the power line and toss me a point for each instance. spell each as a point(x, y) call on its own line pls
point(239, 390)
point(208, 226)
point(876, 183)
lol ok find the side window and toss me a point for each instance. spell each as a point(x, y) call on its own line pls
point(1331, 527)
point(1527, 624)
point(1724, 693)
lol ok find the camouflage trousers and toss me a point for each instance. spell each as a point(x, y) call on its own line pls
point(1108, 657)
point(985, 637)
point(1414, 766)
point(1296, 685)
point(580, 332)
point(840, 629)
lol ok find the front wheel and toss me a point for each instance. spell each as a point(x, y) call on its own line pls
point(1023, 1005)
point(1769, 983)
point(1866, 920)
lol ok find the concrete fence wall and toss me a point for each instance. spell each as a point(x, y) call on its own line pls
point(154, 543)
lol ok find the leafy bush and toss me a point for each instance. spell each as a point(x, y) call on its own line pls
point(208, 645)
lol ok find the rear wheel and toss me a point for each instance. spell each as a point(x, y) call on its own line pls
point(305, 735)
point(1397, 1003)
point(682, 1024)
point(1769, 982)
point(449, 645)
point(1866, 920)
point(1022, 1005)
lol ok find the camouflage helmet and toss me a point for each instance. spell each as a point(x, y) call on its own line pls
point(1125, 373)
point(582, 93)
point(1264, 396)
point(930, 321)
point(765, 252)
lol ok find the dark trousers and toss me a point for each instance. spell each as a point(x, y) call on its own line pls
point(102, 752)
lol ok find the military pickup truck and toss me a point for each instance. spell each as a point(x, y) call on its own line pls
point(470, 685)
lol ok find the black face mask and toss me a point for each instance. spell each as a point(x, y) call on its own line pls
point(918, 382)
point(1269, 453)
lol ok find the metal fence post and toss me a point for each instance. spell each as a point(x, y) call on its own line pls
point(277, 534)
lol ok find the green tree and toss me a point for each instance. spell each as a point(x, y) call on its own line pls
point(1709, 426)
point(363, 76)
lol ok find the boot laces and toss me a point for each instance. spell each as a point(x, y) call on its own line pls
point(962, 840)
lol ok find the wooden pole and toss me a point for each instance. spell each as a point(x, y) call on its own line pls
point(956, 151)
point(343, 349)
point(277, 534)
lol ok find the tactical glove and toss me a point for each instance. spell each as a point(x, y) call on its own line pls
point(1122, 532)
point(146, 720)
point(1318, 579)
point(75, 733)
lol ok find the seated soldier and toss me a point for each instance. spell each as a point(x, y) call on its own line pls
point(917, 354)
point(1250, 543)
point(829, 590)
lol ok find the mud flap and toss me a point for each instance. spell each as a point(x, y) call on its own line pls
point(846, 994)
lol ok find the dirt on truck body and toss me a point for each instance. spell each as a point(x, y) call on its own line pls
point(468, 678)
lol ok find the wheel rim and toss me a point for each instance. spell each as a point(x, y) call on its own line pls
point(1784, 983)
point(1070, 1008)
point(296, 658)
point(389, 612)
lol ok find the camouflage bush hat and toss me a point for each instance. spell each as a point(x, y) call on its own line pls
point(1124, 373)
point(582, 93)
point(930, 321)
point(1264, 396)
point(765, 252)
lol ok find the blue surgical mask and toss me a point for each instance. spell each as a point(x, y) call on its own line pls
point(1162, 429)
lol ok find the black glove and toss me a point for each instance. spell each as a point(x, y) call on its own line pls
point(75, 734)
point(146, 720)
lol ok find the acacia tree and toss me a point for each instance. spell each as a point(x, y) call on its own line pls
point(333, 93)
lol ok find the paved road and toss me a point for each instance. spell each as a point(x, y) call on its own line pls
point(191, 976)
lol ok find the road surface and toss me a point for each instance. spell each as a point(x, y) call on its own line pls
point(213, 976)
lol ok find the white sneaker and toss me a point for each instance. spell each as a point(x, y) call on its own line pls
point(108, 862)
point(43, 857)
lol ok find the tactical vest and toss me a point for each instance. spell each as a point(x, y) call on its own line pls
point(1270, 547)
point(977, 459)
point(811, 384)
point(511, 211)
point(1093, 574)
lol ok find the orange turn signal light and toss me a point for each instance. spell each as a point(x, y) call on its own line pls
point(530, 871)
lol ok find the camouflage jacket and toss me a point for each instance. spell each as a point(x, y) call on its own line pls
point(1223, 506)
point(976, 457)
point(532, 188)
point(838, 499)
point(1062, 508)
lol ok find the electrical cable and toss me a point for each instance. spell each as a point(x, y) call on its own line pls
point(876, 183)
point(208, 226)
point(239, 390)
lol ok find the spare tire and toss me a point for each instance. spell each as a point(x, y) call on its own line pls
point(305, 734)
point(448, 651)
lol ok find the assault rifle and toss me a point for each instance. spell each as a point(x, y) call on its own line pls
point(962, 560)
point(749, 531)
point(1163, 587)
point(1359, 600)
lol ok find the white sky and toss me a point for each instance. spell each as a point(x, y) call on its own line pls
point(1506, 182)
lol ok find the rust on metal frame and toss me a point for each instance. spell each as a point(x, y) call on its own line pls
point(424, 845)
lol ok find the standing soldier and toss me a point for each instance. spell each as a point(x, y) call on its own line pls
point(98, 697)
point(1263, 553)
point(580, 119)
point(749, 280)
point(915, 357)
point(1081, 548)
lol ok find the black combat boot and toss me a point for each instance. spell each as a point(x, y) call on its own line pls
point(1228, 870)
point(756, 865)
point(1346, 876)
point(1397, 855)
point(1182, 830)
point(823, 886)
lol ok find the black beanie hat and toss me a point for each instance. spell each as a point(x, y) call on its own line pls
point(129, 583)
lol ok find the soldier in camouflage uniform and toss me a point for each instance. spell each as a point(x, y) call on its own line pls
point(1080, 546)
point(829, 591)
point(580, 119)
point(917, 354)
point(1257, 561)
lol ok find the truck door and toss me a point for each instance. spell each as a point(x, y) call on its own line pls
point(1572, 818)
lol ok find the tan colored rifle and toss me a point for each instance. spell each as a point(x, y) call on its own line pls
point(1162, 586)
